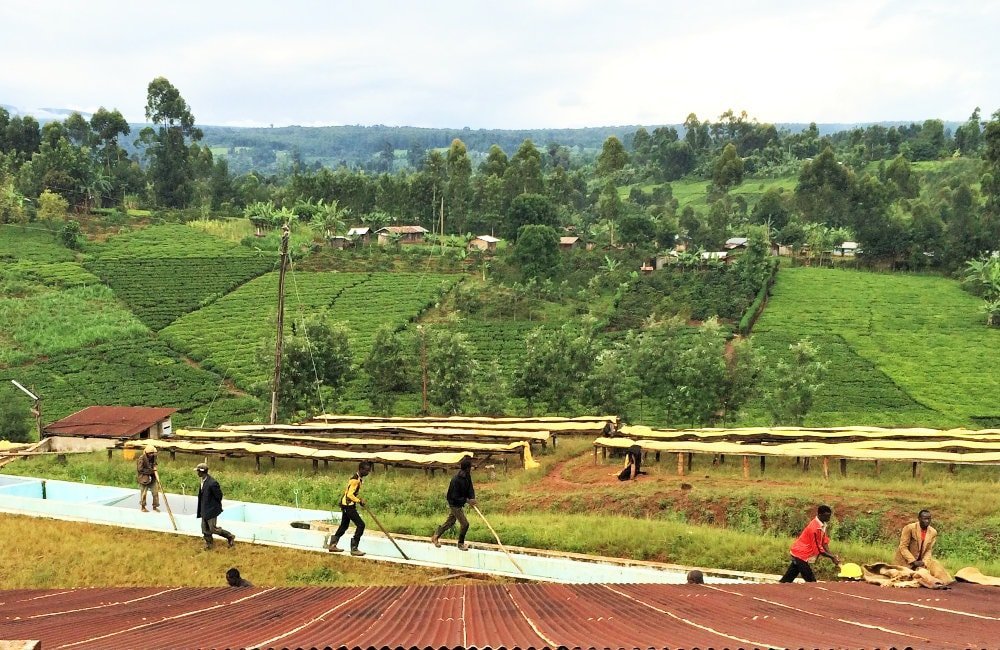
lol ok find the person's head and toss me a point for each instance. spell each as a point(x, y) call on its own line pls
point(695, 577)
point(824, 512)
point(924, 517)
point(150, 450)
point(202, 470)
point(233, 577)
point(364, 468)
point(466, 464)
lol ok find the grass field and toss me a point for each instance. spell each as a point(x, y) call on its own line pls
point(31, 243)
point(105, 556)
point(903, 349)
point(695, 192)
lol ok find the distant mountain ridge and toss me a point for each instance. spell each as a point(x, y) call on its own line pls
point(269, 149)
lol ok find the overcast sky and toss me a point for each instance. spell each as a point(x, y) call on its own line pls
point(507, 63)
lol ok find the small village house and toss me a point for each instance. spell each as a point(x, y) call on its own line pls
point(484, 243)
point(569, 243)
point(407, 234)
point(362, 234)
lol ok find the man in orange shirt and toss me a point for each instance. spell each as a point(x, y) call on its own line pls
point(812, 543)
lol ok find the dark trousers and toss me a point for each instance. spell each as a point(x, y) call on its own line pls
point(455, 514)
point(796, 568)
point(209, 528)
point(350, 514)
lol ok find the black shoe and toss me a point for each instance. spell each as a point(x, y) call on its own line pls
point(231, 542)
point(209, 547)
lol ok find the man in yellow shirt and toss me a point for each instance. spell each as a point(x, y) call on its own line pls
point(916, 547)
point(349, 511)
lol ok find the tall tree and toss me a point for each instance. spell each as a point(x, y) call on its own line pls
point(451, 367)
point(167, 144)
point(795, 383)
point(612, 158)
point(386, 369)
point(459, 188)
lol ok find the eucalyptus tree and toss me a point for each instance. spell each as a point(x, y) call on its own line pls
point(458, 191)
point(167, 144)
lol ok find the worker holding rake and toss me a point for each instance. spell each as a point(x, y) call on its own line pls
point(349, 503)
point(145, 469)
point(460, 492)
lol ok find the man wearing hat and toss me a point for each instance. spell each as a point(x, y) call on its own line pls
point(210, 507)
point(145, 469)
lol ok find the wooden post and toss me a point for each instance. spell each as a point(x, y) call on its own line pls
point(173, 455)
point(279, 339)
point(657, 456)
point(110, 449)
point(878, 468)
point(273, 460)
point(595, 454)
point(951, 468)
point(843, 467)
point(826, 467)
point(763, 463)
point(326, 464)
point(315, 465)
point(680, 464)
point(746, 467)
point(690, 460)
point(256, 463)
point(916, 470)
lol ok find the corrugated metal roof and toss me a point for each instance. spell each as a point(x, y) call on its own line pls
point(823, 615)
point(109, 421)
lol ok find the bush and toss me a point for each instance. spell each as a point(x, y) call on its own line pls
point(15, 423)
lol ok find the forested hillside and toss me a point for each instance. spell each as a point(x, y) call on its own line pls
point(624, 271)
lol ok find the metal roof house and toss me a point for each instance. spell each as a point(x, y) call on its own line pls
point(483, 243)
point(100, 427)
point(407, 234)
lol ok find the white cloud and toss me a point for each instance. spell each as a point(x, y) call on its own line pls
point(553, 63)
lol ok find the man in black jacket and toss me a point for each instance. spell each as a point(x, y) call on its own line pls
point(210, 507)
point(460, 492)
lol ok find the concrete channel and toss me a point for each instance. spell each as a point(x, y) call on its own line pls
point(259, 523)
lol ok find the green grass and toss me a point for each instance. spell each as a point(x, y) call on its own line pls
point(160, 290)
point(136, 371)
point(230, 335)
point(33, 243)
point(168, 241)
point(52, 322)
point(914, 346)
point(694, 192)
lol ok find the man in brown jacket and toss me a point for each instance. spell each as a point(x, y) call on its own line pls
point(916, 546)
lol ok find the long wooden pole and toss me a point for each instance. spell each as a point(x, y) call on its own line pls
point(159, 486)
point(279, 342)
point(385, 532)
point(497, 537)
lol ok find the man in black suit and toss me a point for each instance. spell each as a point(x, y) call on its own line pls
point(210, 507)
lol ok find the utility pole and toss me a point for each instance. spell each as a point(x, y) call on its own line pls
point(278, 345)
point(36, 407)
point(423, 368)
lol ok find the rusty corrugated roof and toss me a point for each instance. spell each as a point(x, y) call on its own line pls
point(109, 421)
point(823, 615)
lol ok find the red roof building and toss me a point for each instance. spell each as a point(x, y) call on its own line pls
point(820, 615)
point(114, 422)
